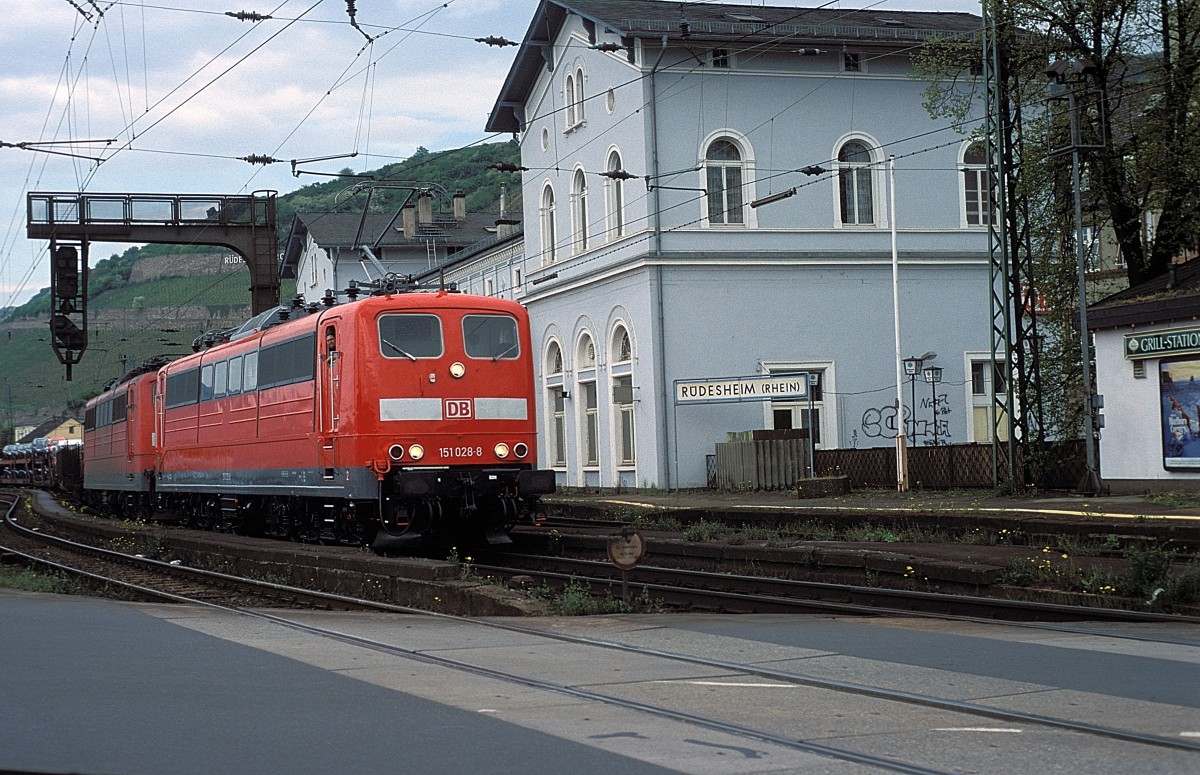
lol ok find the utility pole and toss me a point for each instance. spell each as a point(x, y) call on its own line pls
point(1066, 76)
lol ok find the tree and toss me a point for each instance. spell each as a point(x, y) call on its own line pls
point(1139, 98)
point(1142, 90)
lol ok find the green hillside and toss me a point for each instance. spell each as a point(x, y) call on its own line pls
point(127, 326)
point(129, 323)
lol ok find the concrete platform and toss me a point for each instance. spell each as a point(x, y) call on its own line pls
point(95, 686)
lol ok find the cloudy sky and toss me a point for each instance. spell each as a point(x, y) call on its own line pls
point(182, 90)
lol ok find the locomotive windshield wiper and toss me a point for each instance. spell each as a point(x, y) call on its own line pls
point(406, 354)
point(498, 356)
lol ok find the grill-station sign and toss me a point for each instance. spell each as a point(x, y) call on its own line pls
point(1182, 341)
point(741, 389)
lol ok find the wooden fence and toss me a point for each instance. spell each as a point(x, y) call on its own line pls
point(775, 464)
point(760, 464)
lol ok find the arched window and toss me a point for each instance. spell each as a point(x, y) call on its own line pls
point(546, 213)
point(854, 184)
point(625, 445)
point(573, 97)
point(586, 358)
point(589, 403)
point(579, 95)
point(976, 192)
point(614, 198)
point(723, 165)
point(556, 397)
point(579, 223)
point(569, 99)
point(622, 349)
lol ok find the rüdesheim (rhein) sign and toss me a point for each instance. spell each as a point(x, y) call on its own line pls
point(754, 388)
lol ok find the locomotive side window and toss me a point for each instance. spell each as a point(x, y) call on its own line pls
point(250, 372)
point(235, 375)
point(490, 336)
point(220, 378)
point(119, 407)
point(410, 336)
point(287, 362)
point(206, 382)
point(183, 388)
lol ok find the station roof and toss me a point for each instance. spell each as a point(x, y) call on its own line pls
point(700, 24)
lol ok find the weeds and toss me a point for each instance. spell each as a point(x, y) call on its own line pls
point(1001, 537)
point(1175, 500)
point(29, 581)
point(705, 530)
point(658, 522)
point(1148, 577)
point(576, 599)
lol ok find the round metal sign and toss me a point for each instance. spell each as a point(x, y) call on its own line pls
point(626, 549)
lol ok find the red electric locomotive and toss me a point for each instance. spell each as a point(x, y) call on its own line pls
point(398, 419)
point(118, 443)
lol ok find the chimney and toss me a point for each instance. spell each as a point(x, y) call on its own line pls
point(425, 207)
point(506, 226)
point(460, 206)
point(409, 221)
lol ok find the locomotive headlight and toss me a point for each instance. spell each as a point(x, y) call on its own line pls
point(520, 449)
point(396, 451)
point(416, 452)
point(501, 450)
point(457, 370)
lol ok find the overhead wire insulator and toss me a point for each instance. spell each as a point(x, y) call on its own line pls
point(617, 175)
point(506, 166)
point(256, 158)
point(351, 11)
point(248, 16)
point(493, 40)
point(82, 12)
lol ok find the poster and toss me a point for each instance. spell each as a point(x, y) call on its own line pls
point(1179, 406)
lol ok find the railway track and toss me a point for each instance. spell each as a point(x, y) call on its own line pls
point(481, 665)
point(134, 576)
point(730, 593)
point(673, 587)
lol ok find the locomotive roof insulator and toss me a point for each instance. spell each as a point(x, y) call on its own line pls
point(330, 298)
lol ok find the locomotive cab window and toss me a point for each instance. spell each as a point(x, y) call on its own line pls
point(490, 336)
point(410, 336)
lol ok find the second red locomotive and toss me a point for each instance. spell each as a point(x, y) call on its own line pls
point(400, 418)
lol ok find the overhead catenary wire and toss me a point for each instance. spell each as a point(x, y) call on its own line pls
point(142, 6)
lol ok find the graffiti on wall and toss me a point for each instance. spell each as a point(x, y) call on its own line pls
point(932, 422)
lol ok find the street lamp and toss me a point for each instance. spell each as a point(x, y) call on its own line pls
point(814, 381)
point(933, 375)
point(912, 367)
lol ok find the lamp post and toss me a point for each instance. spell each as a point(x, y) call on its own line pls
point(814, 379)
point(912, 367)
point(933, 375)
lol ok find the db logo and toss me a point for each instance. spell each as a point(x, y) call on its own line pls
point(457, 409)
